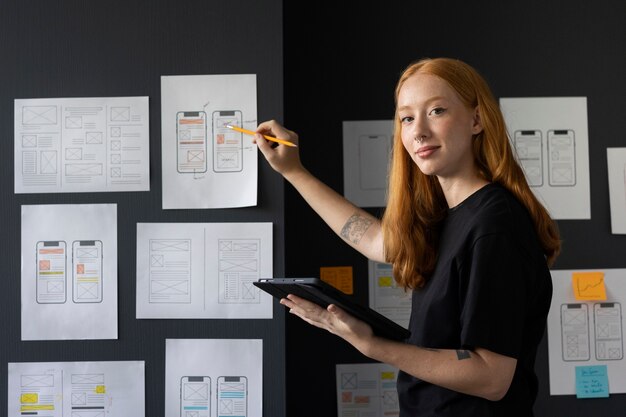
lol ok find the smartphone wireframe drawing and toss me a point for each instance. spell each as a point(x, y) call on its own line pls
point(607, 319)
point(51, 272)
point(232, 396)
point(373, 161)
point(227, 143)
point(87, 271)
point(191, 142)
point(195, 396)
point(529, 149)
point(575, 332)
point(561, 158)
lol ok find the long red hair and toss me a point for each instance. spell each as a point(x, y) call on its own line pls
point(416, 204)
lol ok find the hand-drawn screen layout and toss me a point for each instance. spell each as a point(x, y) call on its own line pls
point(385, 296)
point(38, 391)
point(191, 140)
point(87, 270)
point(205, 164)
point(195, 396)
point(239, 266)
point(226, 383)
point(203, 270)
point(560, 156)
point(51, 264)
point(550, 140)
point(366, 153)
point(88, 393)
point(586, 332)
point(170, 270)
point(76, 389)
point(529, 149)
point(367, 389)
point(562, 160)
point(227, 143)
point(69, 272)
point(51, 275)
point(232, 396)
point(372, 173)
point(81, 145)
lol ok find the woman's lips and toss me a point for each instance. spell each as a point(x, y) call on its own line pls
point(426, 151)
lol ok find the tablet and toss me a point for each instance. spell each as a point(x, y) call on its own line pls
point(323, 294)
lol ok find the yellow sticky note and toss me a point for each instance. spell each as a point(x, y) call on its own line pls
point(588, 286)
point(385, 281)
point(100, 389)
point(339, 277)
point(29, 398)
point(387, 375)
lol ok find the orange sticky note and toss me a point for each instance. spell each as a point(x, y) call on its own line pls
point(339, 277)
point(589, 285)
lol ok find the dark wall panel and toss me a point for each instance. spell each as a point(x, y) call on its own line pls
point(75, 48)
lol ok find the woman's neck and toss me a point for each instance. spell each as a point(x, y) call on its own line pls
point(458, 189)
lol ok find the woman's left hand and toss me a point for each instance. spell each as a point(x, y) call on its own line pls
point(333, 319)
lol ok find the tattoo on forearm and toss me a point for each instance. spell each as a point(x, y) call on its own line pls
point(355, 228)
point(431, 349)
point(462, 354)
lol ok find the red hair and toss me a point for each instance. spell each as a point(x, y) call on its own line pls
point(412, 217)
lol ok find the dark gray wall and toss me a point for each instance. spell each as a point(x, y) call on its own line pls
point(72, 48)
point(342, 61)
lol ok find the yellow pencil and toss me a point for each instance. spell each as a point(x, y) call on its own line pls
point(272, 138)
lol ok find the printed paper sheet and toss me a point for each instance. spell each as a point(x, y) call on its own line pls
point(203, 270)
point(214, 377)
point(549, 136)
point(205, 164)
point(82, 145)
point(585, 333)
point(69, 272)
point(367, 389)
point(367, 149)
point(77, 389)
point(385, 296)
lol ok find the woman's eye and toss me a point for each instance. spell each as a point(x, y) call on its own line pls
point(437, 111)
point(406, 119)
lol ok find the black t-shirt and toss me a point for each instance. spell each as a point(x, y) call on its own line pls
point(491, 288)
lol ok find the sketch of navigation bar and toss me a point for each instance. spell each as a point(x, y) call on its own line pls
point(239, 266)
point(81, 144)
point(170, 270)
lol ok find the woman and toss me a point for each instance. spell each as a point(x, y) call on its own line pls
point(464, 231)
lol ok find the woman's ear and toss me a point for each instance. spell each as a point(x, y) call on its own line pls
point(477, 125)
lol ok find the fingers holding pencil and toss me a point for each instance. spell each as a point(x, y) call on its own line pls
point(274, 129)
point(267, 137)
point(283, 159)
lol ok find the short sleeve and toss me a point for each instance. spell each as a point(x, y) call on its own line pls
point(494, 295)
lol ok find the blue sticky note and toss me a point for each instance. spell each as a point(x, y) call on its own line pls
point(592, 381)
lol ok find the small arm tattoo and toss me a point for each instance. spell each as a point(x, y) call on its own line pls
point(430, 349)
point(462, 354)
point(355, 228)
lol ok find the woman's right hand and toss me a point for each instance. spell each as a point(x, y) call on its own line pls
point(282, 158)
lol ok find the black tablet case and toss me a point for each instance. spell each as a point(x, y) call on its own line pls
point(323, 294)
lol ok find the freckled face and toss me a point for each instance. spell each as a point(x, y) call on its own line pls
point(437, 127)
